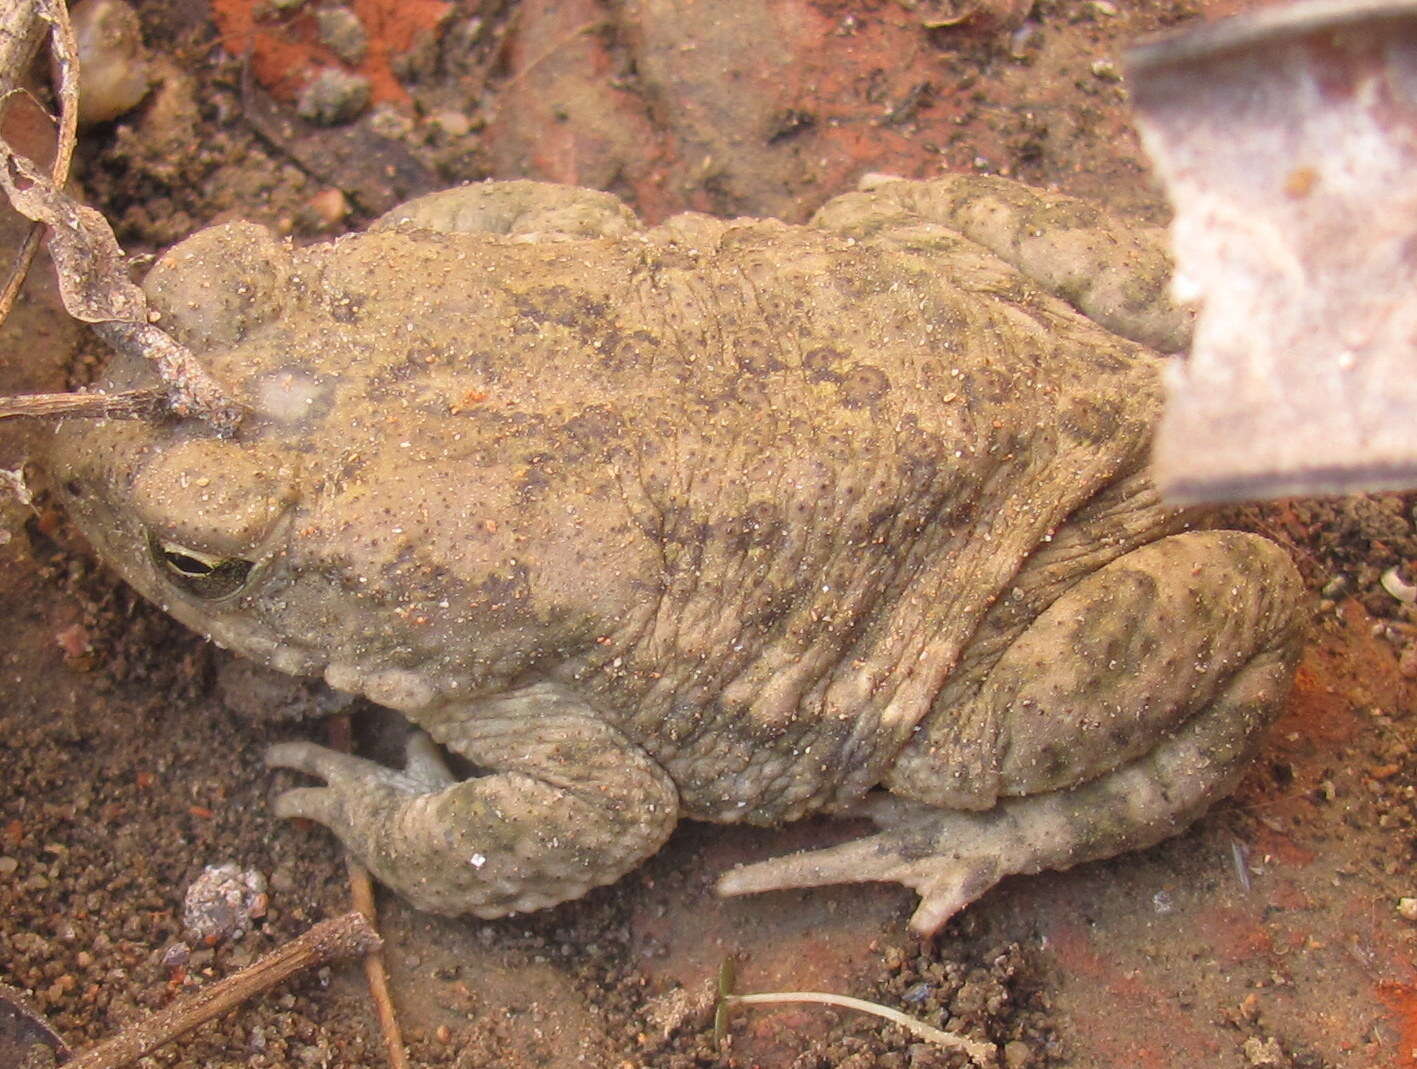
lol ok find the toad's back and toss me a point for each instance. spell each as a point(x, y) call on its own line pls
point(840, 451)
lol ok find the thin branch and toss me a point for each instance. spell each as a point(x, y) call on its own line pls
point(21, 34)
point(361, 893)
point(192, 390)
point(20, 269)
point(66, 54)
point(342, 937)
point(564, 41)
point(131, 404)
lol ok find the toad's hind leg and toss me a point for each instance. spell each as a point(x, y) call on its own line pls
point(1061, 805)
point(950, 858)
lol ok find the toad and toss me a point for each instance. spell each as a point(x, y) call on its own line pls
point(722, 519)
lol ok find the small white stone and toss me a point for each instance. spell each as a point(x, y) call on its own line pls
point(1395, 585)
point(1106, 70)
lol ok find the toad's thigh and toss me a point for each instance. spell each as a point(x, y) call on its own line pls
point(1113, 666)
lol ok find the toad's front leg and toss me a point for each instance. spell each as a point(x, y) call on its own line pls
point(567, 804)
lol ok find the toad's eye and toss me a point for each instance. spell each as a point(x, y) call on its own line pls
point(199, 573)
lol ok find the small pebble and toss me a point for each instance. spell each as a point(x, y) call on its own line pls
point(388, 121)
point(1264, 1053)
point(343, 33)
point(330, 206)
point(8, 865)
point(1394, 583)
point(1020, 39)
point(114, 72)
point(1017, 1054)
point(1335, 588)
point(1106, 70)
point(283, 880)
point(1407, 909)
point(450, 123)
point(334, 97)
point(221, 903)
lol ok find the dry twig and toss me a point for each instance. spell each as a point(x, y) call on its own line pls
point(362, 895)
point(131, 404)
point(341, 937)
point(361, 889)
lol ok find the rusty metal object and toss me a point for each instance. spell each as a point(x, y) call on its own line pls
point(1288, 142)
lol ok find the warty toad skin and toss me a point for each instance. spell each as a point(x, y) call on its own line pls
point(731, 520)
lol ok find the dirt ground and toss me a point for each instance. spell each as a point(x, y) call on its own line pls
point(1270, 935)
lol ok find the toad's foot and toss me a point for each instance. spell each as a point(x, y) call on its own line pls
point(568, 804)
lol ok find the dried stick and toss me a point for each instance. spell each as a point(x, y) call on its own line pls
point(361, 893)
point(20, 269)
point(131, 404)
point(361, 889)
point(66, 53)
point(341, 937)
point(192, 390)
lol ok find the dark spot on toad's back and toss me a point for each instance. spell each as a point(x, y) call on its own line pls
point(823, 364)
point(758, 526)
point(562, 306)
point(503, 591)
point(533, 484)
point(589, 432)
point(1090, 421)
point(749, 392)
point(756, 354)
point(862, 386)
point(619, 352)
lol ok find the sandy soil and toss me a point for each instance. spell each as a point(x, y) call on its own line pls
point(1269, 935)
